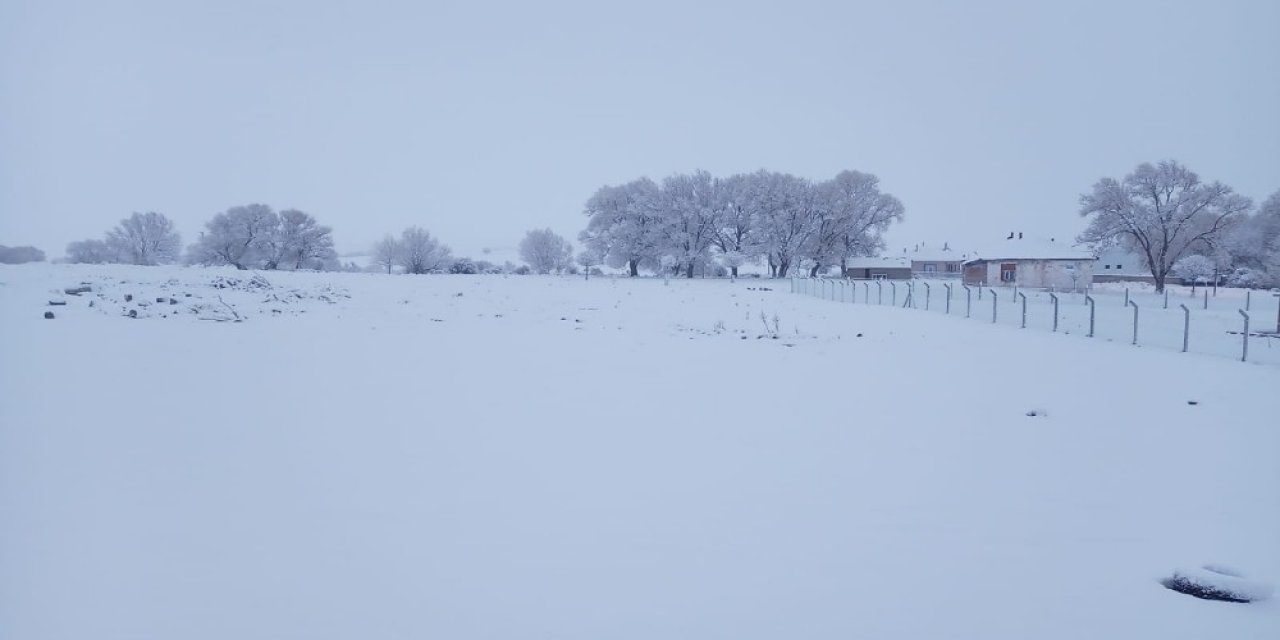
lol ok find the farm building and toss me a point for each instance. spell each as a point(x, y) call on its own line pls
point(1031, 264)
point(1118, 265)
point(878, 268)
point(935, 263)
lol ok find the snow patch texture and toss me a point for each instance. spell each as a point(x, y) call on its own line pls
point(409, 462)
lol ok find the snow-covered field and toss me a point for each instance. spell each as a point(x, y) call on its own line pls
point(371, 456)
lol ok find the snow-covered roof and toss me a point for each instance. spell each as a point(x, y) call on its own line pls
point(1031, 249)
point(879, 262)
point(924, 253)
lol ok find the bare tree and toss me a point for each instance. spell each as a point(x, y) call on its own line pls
point(304, 240)
point(420, 253)
point(1162, 212)
point(387, 253)
point(146, 239)
point(546, 251)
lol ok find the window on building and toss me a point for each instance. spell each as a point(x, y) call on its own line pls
point(1106, 266)
point(930, 267)
point(1119, 267)
point(953, 267)
point(1009, 272)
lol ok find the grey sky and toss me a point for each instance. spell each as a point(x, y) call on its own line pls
point(481, 120)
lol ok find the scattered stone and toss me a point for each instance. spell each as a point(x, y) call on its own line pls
point(48, 315)
point(128, 297)
point(133, 313)
point(173, 301)
point(1213, 582)
point(1193, 402)
point(1037, 413)
point(57, 303)
point(75, 291)
point(858, 336)
point(160, 300)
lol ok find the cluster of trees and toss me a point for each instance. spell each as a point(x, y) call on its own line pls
point(1182, 226)
point(246, 237)
point(691, 219)
point(20, 255)
point(142, 238)
point(256, 237)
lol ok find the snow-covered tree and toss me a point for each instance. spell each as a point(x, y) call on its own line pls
point(737, 237)
point(303, 240)
point(1255, 243)
point(546, 251)
point(864, 212)
point(20, 255)
point(623, 224)
point(690, 218)
point(146, 239)
point(1162, 212)
point(786, 211)
point(386, 254)
point(1196, 268)
point(419, 252)
point(589, 259)
point(90, 252)
point(239, 237)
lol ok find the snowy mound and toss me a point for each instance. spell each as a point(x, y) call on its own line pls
point(1212, 582)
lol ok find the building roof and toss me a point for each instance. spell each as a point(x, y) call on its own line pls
point(1031, 249)
point(878, 262)
point(924, 253)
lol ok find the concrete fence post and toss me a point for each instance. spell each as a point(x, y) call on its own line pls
point(1024, 310)
point(1166, 298)
point(1248, 298)
point(1206, 298)
point(948, 286)
point(894, 286)
point(879, 292)
point(995, 300)
point(1014, 299)
point(968, 300)
point(1244, 355)
point(1088, 299)
point(928, 291)
point(1126, 296)
point(1054, 298)
point(1186, 327)
point(1135, 321)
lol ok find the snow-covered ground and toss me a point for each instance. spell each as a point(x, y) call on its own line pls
point(371, 456)
point(1215, 325)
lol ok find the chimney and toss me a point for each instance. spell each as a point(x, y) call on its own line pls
point(1010, 236)
point(1019, 235)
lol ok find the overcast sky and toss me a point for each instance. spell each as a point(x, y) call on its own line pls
point(479, 120)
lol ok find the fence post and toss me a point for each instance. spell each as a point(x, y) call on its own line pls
point(1248, 298)
point(1244, 356)
point(1278, 313)
point(994, 305)
point(928, 291)
point(893, 285)
point(1024, 310)
point(879, 292)
point(1186, 326)
point(1088, 299)
point(1126, 296)
point(1206, 297)
point(1014, 299)
point(866, 293)
point(968, 300)
point(793, 284)
point(979, 290)
point(1054, 297)
point(843, 285)
point(1166, 298)
point(1135, 321)
point(948, 285)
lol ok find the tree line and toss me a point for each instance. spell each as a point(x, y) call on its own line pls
point(777, 218)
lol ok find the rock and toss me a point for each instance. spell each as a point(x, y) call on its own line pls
point(133, 313)
point(75, 291)
point(48, 315)
point(1213, 582)
point(57, 303)
point(128, 297)
point(160, 300)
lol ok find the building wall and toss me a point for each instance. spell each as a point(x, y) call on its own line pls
point(889, 273)
point(1034, 274)
point(944, 268)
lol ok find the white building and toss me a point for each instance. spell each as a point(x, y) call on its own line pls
point(1031, 263)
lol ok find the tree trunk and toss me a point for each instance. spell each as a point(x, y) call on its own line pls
point(813, 273)
point(1159, 279)
point(634, 267)
point(782, 268)
point(688, 270)
point(734, 271)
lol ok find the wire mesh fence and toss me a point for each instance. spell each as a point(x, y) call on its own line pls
point(1238, 323)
